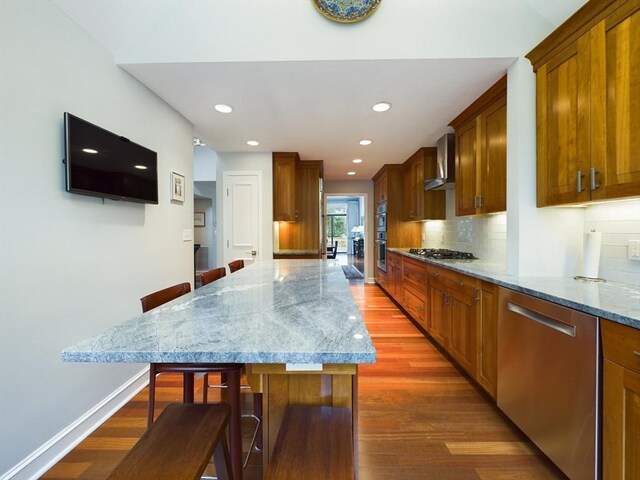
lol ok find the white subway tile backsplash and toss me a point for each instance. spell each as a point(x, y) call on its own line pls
point(619, 222)
point(484, 236)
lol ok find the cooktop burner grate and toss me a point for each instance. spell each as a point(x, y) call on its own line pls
point(442, 254)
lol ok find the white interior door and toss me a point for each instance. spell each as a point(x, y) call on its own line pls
point(242, 216)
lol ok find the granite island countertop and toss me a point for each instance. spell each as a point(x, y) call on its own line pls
point(614, 301)
point(278, 311)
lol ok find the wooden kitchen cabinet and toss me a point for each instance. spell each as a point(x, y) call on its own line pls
point(588, 97)
point(414, 288)
point(284, 186)
point(420, 204)
point(621, 401)
point(380, 187)
point(394, 275)
point(454, 301)
point(481, 153)
point(488, 338)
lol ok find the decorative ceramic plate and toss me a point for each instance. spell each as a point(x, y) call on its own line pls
point(346, 11)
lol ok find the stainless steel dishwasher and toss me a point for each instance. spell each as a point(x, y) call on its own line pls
point(548, 379)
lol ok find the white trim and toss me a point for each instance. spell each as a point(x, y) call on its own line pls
point(41, 460)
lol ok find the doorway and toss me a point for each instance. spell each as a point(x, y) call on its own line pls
point(344, 227)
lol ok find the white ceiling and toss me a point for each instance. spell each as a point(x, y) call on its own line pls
point(298, 82)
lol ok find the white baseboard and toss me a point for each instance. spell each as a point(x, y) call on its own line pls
point(36, 464)
point(370, 280)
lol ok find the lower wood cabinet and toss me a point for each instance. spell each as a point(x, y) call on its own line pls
point(458, 311)
point(488, 338)
point(454, 301)
point(621, 401)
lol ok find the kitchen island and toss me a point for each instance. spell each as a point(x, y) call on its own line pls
point(294, 322)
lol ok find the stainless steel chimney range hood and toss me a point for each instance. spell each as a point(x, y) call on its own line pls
point(446, 164)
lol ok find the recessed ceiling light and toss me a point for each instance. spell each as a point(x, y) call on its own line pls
point(351, 173)
point(253, 143)
point(141, 167)
point(222, 108)
point(365, 142)
point(357, 160)
point(381, 107)
point(89, 150)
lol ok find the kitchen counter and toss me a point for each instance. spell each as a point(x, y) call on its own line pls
point(614, 301)
point(279, 311)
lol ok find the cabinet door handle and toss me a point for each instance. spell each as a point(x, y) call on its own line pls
point(477, 297)
point(636, 353)
point(592, 178)
point(475, 202)
point(446, 298)
point(579, 177)
point(460, 283)
point(435, 274)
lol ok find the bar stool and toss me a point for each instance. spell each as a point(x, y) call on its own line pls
point(231, 371)
point(212, 275)
point(236, 265)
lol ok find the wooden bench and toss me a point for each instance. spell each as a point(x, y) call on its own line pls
point(180, 444)
point(313, 443)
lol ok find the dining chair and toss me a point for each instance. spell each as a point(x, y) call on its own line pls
point(212, 275)
point(236, 265)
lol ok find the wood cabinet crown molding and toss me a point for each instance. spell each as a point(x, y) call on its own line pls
point(573, 28)
point(497, 90)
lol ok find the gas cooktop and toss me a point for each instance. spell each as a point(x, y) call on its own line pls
point(442, 254)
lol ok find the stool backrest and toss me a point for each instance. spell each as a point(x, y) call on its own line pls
point(212, 275)
point(165, 295)
point(236, 265)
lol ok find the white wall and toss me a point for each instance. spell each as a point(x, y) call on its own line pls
point(72, 265)
point(237, 162)
point(204, 164)
point(364, 188)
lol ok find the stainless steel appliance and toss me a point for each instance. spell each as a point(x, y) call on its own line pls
point(381, 251)
point(445, 164)
point(381, 218)
point(442, 254)
point(548, 379)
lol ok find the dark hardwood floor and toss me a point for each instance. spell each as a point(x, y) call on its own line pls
point(419, 417)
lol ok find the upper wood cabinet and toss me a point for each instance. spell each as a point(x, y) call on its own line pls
point(380, 187)
point(588, 105)
point(417, 203)
point(284, 186)
point(388, 184)
point(481, 153)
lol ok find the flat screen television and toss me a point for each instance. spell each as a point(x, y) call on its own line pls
point(102, 164)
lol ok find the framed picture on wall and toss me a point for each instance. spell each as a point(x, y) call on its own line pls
point(198, 219)
point(177, 187)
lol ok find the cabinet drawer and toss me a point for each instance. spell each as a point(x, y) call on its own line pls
point(415, 304)
point(621, 344)
point(453, 280)
point(394, 260)
point(415, 273)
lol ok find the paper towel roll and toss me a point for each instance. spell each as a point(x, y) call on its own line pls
point(591, 257)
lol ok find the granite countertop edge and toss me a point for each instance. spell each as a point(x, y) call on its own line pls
point(539, 288)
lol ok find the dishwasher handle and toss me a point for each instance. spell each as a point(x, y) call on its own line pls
point(543, 319)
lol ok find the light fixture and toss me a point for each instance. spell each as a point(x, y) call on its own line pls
point(356, 160)
point(222, 108)
point(253, 143)
point(351, 173)
point(140, 167)
point(198, 143)
point(365, 142)
point(89, 150)
point(381, 107)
